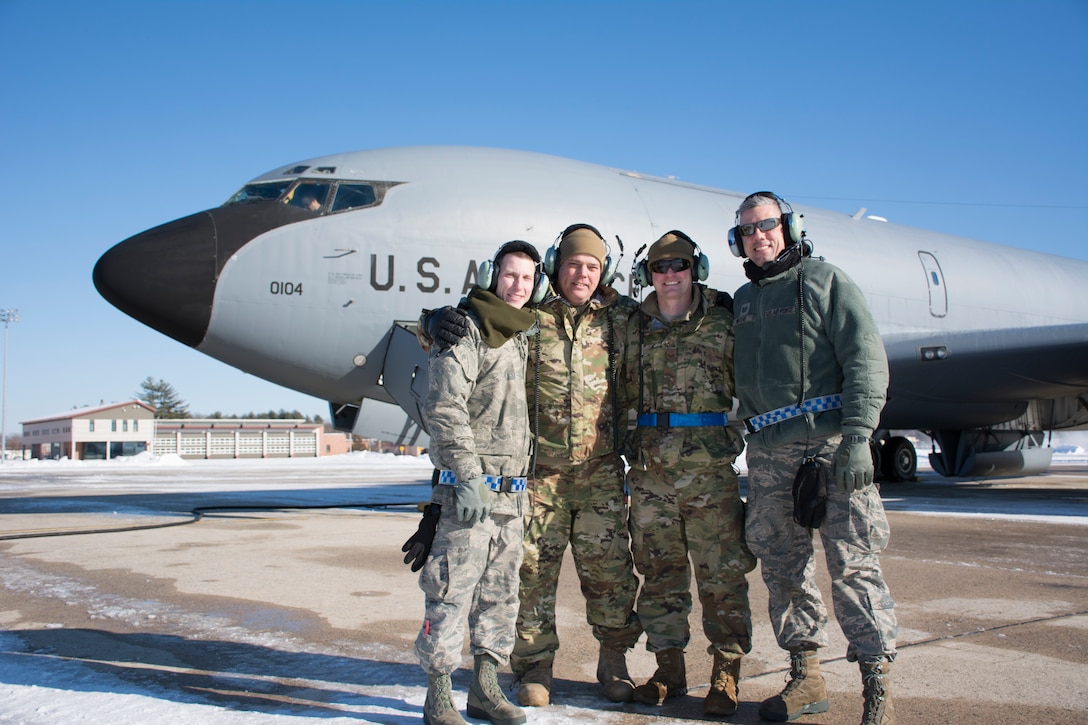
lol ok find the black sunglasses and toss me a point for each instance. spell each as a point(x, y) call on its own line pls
point(662, 266)
point(764, 225)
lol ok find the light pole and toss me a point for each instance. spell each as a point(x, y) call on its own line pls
point(6, 316)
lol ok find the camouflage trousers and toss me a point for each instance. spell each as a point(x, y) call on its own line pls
point(696, 514)
point(472, 572)
point(584, 506)
point(854, 532)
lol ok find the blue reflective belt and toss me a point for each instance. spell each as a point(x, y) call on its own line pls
point(812, 405)
point(682, 420)
point(503, 484)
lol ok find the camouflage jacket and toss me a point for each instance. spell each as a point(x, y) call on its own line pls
point(568, 377)
point(843, 352)
point(476, 412)
point(683, 366)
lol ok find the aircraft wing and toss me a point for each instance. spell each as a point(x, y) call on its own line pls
point(984, 377)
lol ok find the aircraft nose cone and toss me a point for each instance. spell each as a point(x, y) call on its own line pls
point(164, 277)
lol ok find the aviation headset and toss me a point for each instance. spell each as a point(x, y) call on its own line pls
point(551, 257)
point(488, 279)
point(791, 223)
point(700, 265)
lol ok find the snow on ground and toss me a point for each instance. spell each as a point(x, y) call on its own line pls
point(358, 686)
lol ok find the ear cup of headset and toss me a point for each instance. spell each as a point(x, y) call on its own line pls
point(550, 260)
point(794, 227)
point(701, 269)
point(540, 289)
point(486, 279)
point(609, 272)
point(736, 243)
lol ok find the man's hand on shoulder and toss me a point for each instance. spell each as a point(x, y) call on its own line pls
point(444, 327)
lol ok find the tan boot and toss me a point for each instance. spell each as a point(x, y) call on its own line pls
point(535, 684)
point(438, 708)
point(804, 694)
point(612, 673)
point(724, 694)
point(485, 697)
point(670, 679)
point(877, 691)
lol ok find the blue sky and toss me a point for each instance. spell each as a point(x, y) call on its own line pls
point(964, 117)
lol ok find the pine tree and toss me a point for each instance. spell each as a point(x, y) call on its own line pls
point(162, 396)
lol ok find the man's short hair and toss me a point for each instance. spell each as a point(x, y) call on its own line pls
point(759, 199)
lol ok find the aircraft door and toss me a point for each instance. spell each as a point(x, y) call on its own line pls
point(404, 372)
point(938, 294)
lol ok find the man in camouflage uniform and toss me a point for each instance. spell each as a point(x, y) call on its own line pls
point(576, 491)
point(816, 395)
point(685, 497)
point(477, 417)
point(577, 495)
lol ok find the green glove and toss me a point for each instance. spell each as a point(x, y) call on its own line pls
point(473, 500)
point(853, 461)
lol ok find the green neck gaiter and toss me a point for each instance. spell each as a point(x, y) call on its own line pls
point(498, 320)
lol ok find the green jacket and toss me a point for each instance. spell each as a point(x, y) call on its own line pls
point(843, 352)
point(683, 366)
point(568, 377)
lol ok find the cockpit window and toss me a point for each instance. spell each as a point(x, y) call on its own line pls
point(352, 196)
point(308, 195)
point(314, 195)
point(259, 192)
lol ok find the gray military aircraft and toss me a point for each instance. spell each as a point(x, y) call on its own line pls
point(312, 276)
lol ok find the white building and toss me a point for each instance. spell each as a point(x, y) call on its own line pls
point(127, 429)
point(246, 438)
point(95, 433)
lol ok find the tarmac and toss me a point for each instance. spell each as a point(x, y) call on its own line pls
point(222, 605)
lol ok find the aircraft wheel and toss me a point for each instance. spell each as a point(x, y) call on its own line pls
point(899, 460)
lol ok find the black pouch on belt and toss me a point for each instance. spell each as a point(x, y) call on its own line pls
point(810, 494)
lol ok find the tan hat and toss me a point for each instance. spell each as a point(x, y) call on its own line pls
point(582, 239)
point(671, 246)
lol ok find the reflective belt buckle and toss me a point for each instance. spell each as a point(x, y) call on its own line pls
point(506, 484)
point(514, 484)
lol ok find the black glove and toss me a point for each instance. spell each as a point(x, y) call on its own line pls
point(445, 326)
point(418, 545)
